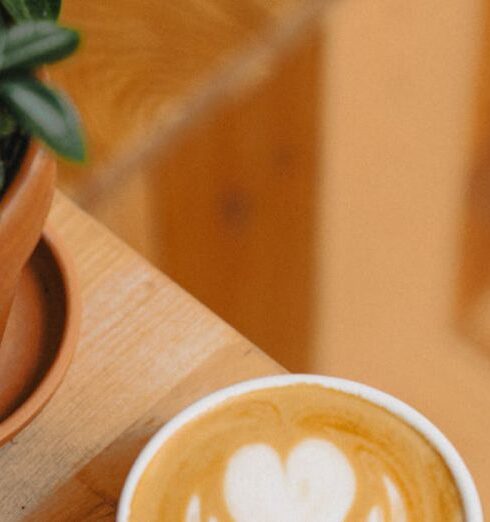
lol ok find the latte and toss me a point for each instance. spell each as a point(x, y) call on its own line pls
point(296, 453)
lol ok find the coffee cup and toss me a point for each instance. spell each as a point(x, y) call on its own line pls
point(299, 448)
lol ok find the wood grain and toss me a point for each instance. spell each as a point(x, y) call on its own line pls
point(148, 69)
point(141, 338)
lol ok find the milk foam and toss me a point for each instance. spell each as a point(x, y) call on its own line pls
point(193, 513)
point(316, 484)
point(375, 515)
point(397, 511)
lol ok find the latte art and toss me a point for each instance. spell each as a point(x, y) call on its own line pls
point(300, 453)
point(317, 484)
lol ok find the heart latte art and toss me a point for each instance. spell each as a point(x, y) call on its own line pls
point(300, 453)
point(317, 484)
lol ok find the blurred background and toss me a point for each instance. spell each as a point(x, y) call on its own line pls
point(316, 172)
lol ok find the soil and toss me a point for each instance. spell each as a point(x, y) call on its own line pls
point(12, 150)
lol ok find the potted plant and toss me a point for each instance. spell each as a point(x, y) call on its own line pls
point(35, 122)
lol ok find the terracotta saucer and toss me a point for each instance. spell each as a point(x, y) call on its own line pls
point(40, 337)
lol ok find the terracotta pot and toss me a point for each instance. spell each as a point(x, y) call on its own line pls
point(23, 210)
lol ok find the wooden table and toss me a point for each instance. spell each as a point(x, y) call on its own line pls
point(146, 350)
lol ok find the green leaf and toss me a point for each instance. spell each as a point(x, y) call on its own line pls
point(45, 113)
point(21, 10)
point(30, 44)
point(3, 21)
point(3, 41)
point(16, 9)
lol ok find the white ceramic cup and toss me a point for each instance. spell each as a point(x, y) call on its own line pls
point(471, 503)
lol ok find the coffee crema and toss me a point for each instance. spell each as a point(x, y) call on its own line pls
point(296, 453)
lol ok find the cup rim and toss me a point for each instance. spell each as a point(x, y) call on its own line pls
point(462, 477)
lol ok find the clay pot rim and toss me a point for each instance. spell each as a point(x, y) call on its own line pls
point(55, 374)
